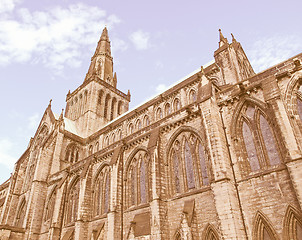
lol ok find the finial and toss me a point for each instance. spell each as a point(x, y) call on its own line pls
point(222, 39)
point(68, 92)
point(233, 38)
point(49, 105)
point(61, 115)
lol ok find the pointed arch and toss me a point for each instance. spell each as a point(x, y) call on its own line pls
point(72, 200)
point(293, 101)
point(100, 101)
point(106, 106)
point(101, 192)
point(292, 224)
point(263, 229)
point(113, 108)
point(72, 153)
point(188, 163)
point(21, 213)
point(257, 144)
point(192, 96)
point(167, 109)
point(159, 113)
point(137, 178)
point(50, 205)
point(176, 104)
point(210, 233)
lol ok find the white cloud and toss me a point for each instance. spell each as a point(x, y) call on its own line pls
point(161, 88)
point(6, 148)
point(7, 5)
point(33, 121)
point(270, 51)
point(140, 39)
point(58, 37)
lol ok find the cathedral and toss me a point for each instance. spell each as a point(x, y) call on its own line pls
point(216, 156)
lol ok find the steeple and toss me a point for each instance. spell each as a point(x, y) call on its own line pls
point(101, 65)
point(222, 39)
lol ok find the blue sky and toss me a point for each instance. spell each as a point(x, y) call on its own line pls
point(46, 46)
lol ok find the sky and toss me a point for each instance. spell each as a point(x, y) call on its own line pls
point(46, 47)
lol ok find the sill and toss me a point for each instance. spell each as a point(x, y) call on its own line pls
point(191, 192)
point(103, 216)
point(262, 172)
point(141, 206)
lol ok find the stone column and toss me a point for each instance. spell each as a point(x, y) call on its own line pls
point(222, 183)
point(115, 217)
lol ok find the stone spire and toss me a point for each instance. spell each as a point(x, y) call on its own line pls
point(101, 62)
point(222, 39)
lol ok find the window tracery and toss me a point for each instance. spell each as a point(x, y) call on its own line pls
point(188, 163)
point(72, 153)
point(137, 176)
point(73, 202)
point(258, 143)
point(102, 192)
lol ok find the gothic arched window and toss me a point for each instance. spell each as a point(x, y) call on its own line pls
point(159, 114)
point(50, 206)
point(102, 192)
point(137, 176)
point(176, 104)
point(100, 102)
point(72, 153)
point(138, 124)
point(263, 230)
point(188, 163)
point(167, 109)
point(21, 214)
point(113, 103)
point(130, 128)
point(119, 108)
point(146, 121)
point(192, 96)
point(257, 141)
point(292, 224)
point(106, 106)
point(73, 202)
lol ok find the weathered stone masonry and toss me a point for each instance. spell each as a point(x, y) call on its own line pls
point(217, 156)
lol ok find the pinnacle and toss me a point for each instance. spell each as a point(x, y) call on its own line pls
point(222, 39)
point(104, 35)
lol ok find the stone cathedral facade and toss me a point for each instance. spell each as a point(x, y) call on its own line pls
point(217, 156)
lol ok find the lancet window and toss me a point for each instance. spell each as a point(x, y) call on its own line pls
point(260, 146)
point(176, 104)
point(159, 114)
point(73, 202)
point(167, 109)
point(50, 206)
point(188, 163)
point(72, 153)
point(102, 192)
point(106, 106)
point(113, 107)
point(146, 121)
point(137, 176)
point(21, 214)
point(192, 96)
